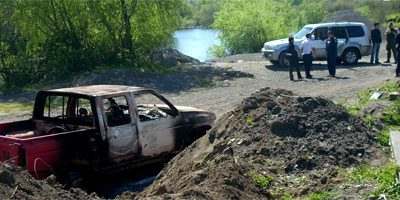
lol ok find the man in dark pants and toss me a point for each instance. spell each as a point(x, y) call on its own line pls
point(391, 43)
point(376, 39)
point(398, 53)
point(331, 50)
point(293, 57)
point(307, 49)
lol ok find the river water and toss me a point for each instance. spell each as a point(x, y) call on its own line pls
point(195, 42)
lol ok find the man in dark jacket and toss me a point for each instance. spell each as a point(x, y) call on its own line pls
point(293, 58)
point(391, 43)
point(331, 50)
point(376, 43)
point(398, 53)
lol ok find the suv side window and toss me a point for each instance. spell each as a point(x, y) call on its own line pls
point(321, 33)
point(339, 32)
point(355, 31)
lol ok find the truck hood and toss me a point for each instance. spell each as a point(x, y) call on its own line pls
point(196, 115)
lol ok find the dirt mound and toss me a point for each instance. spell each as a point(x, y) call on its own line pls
point(170, 57)
point(351, 16)
point(264, 147)
point(16, 183)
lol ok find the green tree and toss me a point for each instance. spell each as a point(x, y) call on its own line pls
point(245, 25)
point(311, 12)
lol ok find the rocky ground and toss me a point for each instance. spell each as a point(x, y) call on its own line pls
point(16, 183)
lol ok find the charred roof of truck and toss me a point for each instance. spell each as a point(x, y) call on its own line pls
point(99, 90)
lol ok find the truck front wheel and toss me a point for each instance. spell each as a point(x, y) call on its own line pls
point(194, 135)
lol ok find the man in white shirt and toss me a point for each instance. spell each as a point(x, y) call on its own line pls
point(307, 49)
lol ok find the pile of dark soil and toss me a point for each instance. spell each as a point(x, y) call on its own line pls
point(262, 147)
point(16, 183)
point(168, 57)
point(351, 16)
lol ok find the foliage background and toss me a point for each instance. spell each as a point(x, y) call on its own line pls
point(49, 40)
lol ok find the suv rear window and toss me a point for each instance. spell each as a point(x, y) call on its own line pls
point(355, 31)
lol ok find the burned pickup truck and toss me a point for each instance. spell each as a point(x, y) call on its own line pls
point(99, 129)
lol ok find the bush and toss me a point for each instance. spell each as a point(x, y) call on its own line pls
point(245, 25)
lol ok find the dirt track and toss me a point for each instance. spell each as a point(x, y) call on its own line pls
point(230, 90)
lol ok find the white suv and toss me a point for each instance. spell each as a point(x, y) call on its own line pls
point(353, 42)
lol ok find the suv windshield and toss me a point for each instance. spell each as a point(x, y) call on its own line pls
point(302, 33)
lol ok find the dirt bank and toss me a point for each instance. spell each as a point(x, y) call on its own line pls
point(16, 183)
point(264, 146)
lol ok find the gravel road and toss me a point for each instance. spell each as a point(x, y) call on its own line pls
point(223, 95)
point(349, 82)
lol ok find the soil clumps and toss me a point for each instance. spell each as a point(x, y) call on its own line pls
point(271, 144)
point(16, 183)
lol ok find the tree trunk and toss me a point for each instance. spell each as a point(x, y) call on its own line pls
point(127, 38)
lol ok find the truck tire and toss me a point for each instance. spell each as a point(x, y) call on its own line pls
point(283, 61)
point(350, 56)
point(194, 135)
point(74, 180)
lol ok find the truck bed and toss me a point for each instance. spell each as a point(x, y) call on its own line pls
point(41, 155)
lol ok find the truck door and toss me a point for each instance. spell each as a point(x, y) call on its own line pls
point(121, 127)
point(158, 125)
point(320, 37)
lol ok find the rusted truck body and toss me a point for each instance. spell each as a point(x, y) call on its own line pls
point(99, 129)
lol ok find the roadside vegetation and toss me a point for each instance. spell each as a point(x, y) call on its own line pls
point(50, 40)
point(385, 176)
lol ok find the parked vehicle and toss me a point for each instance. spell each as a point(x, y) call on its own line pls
point(353, 42)
point(99, 129)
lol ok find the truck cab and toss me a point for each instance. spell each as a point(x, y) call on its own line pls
point(99, 129)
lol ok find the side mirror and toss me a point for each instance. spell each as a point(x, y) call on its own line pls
point(313, 37)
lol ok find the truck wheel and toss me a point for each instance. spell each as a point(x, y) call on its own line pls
point(193, 136)
point(74, 179)
point(350, 57)
point(283, 61)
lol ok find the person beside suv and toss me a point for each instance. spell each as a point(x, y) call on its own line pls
point(353, 42)
point(376, 40)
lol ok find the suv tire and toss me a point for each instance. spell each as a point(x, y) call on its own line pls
point(350, 56)
point(283, 61)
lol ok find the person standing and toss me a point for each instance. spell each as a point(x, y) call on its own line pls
point(307, 49)
point(293, 57)
point(391, 43)
point(398, 53)
point(376, 39)
point(331, 50)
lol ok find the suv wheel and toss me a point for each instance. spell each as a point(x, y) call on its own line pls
point(350, 57)
point(283, 61)
point(274, 62)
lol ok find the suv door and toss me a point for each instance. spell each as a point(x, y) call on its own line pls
point(341, 35)
point(320, 37)
point(121, 127)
